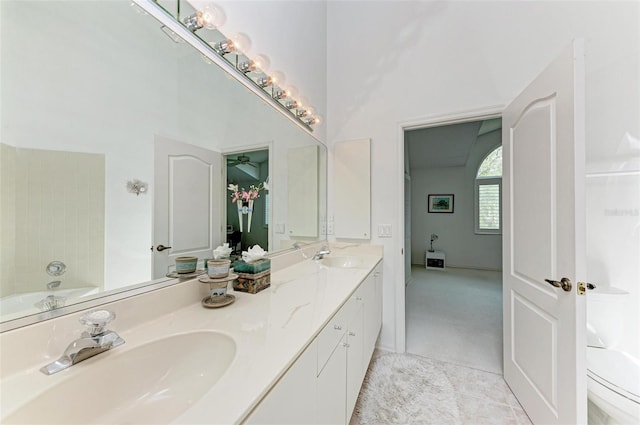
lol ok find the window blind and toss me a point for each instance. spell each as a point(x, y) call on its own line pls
point(489, 206)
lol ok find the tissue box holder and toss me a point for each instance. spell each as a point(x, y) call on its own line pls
point(259, 266)
point(252, 282)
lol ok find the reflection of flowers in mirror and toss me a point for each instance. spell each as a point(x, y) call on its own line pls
point(246, 195)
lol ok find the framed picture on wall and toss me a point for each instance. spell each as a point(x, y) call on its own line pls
point(440, 203)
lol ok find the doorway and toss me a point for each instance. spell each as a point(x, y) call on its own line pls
point(453, 296)
point(248, 207)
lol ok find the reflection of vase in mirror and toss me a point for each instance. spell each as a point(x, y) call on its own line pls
point(248, 216)
point(138, 79)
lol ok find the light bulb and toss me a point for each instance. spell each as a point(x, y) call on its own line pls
point(291, 104)
point(259, 63)
point(292, 91)
point(223, 47)
point(304, 111)
point(279, 93)
point(302, 101)
point(278, 78)
point(312, 120)
point(241, 43)
point(212, 17)
point(264, 81)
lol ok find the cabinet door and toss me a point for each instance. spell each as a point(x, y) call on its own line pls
point(377, 274)
point(293, 399)
point(332, 389)
point(371, 312)
point(333, 333)
point(355, 354)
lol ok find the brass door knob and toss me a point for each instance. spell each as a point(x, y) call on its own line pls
point(564, 283)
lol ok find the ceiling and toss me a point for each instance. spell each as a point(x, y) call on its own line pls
point(246, 172)
point(446, 146)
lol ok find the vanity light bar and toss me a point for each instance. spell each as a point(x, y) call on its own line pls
point(248, 72)
point(279, 94)
point(223, 47)
point(264, 81)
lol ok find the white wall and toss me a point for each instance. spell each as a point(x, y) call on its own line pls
point(456, 232)
point(399, 61)
point(292, 34)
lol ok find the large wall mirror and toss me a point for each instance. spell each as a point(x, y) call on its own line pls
point(91, 94)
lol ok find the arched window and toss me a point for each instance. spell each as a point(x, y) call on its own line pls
point(489, 193)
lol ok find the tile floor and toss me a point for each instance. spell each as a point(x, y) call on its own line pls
point(452, 373)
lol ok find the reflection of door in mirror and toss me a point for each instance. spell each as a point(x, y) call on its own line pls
point(302, 166)
point(248, 216)
point(187, 192)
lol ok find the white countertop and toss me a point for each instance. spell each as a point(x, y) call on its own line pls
point(270, 329)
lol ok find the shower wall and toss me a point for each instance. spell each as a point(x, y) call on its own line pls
point(52, 208)
point(613, 230)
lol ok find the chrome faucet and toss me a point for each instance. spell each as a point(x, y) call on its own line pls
point(51, 302)
point(95, 340)
point(53, 284)
point(321, 253)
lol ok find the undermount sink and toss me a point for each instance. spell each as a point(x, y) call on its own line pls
point(152, 383)
point(343, 262)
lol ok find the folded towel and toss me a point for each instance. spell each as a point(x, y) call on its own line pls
point(253, 254)
point(223, 251)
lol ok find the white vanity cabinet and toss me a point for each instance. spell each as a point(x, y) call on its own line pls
point(372, 310)
point(356, 361)
point(332, 390)
point(340, 377)
point(293, 399)
point(322, 386)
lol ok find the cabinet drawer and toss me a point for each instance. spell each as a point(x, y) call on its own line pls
point(332, 333)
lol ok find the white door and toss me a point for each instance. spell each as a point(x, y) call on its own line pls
point(544, 238)
point(188, 184)
point(407, 228)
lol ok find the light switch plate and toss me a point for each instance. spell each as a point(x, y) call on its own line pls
point(384, 230)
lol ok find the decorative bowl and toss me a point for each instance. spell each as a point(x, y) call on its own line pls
point(186, 264)
point(218, 289)
point(218, 268)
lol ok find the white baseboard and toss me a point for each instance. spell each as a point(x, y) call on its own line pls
point(454, 266)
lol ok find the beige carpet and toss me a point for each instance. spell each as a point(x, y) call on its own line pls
point(456, 316)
